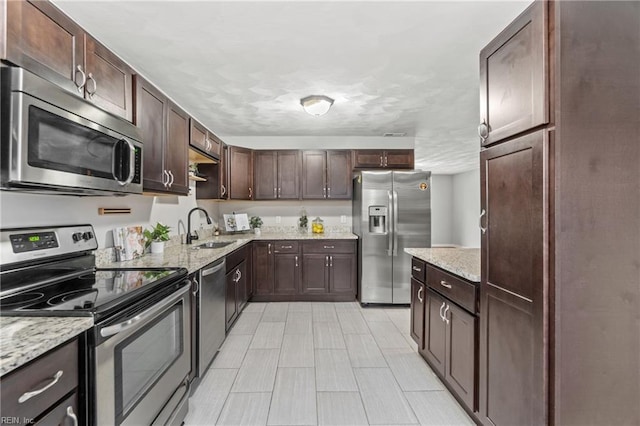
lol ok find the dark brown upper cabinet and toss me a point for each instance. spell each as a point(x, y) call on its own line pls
point(513, 78)
point(165, 134)
point(326, 175)
point(43, 40)
point(513, 332)
point(276, 175)
point(240, 166)
point(204, 141)
point(109, 80)
point(383, 159)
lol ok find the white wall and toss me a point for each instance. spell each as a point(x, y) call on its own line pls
point(466, 208)
point(441, 207)
point(20, 210)
point(289, 211)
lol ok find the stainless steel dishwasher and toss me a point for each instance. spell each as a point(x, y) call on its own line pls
point(211, 317)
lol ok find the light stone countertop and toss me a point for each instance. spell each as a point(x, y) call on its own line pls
point(25, 338)
point(183, 255)
point(464, 262)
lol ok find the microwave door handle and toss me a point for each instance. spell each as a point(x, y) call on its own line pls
point(116, 160)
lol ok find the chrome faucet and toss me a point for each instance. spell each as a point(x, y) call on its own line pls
point(190, 237)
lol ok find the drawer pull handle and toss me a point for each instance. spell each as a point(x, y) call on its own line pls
point(28, 395)
point(286, 247)
point(72, 416)
point(415, 268)
point(443, 283)
point(329, 247)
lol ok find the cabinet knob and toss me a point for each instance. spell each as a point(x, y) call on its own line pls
point(90, 78)
point(483, 229)
point(28, 395)
point(443, 283)
point(483, 131)
point(84, 78)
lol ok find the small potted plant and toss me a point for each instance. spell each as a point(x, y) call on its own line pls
point(156, 237)
point(256, 223)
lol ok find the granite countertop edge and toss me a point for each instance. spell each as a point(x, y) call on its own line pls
point(463, 262)
point(23, 339)
point(185, 256)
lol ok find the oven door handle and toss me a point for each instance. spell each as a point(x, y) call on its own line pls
point(149, 313)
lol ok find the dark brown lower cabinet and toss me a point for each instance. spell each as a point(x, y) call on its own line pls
point(308, 270)
point(237, 282)
point(417, 312)
point(286, 268)
point(450, 345)
point(230, 306)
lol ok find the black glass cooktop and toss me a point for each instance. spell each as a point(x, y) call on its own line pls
point(91, 293)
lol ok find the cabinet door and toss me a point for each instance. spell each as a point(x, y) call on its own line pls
point(417, 312)
point(288, 175)
point(339, 175)
point(176, 149)
point(223, 178)
point(242, 296)
point(198, 136)
point(109, 80)
point(215, 143)
point(513, 79)
point(460, 364)
point(315, 273)
point(240, 173)
point(342, 273)
point(149, 117)
point(314, 164)
point(265, 166)
point(434, 336)
point(513, 291)
point(368, 159)
point(231, 307)
point(286, 273)
point(43, 40)
point(263, 273)
point(399, 159)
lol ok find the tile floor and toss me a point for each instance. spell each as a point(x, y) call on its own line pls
point(321, 364)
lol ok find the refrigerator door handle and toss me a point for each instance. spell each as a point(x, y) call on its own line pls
point(395, 223)
point(391, 229)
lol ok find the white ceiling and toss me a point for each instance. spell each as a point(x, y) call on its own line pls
point(241, 67)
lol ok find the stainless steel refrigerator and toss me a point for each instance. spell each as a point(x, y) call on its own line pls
point(391, 212)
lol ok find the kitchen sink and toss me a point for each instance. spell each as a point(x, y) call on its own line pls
point(214, 244)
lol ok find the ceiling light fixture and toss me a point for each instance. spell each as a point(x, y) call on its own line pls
point(316, 104)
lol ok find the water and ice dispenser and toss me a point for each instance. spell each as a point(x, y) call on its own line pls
point(377, 219)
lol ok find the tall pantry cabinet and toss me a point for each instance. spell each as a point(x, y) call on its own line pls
point(560, 217)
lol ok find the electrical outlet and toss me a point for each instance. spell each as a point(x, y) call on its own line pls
point(343, 219)
point(278, 219)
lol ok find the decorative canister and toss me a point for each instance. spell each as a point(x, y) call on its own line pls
point(317, 226)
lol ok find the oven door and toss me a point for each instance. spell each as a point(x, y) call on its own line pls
point(142, 367)
point(54, 147)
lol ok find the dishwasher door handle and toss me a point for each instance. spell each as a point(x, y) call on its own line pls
point(206, 272)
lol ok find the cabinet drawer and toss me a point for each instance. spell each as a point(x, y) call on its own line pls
point(454, 288)
point(329, 246)
point(418, 269)
point(285, 247)
point(38, 375)
point(234, 258)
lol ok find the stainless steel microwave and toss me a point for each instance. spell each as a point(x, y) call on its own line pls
point(55, 142)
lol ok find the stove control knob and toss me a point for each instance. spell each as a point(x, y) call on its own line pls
point(87, 236)
point(77, 236)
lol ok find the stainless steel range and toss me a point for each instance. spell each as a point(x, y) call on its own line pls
point(138, 353)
